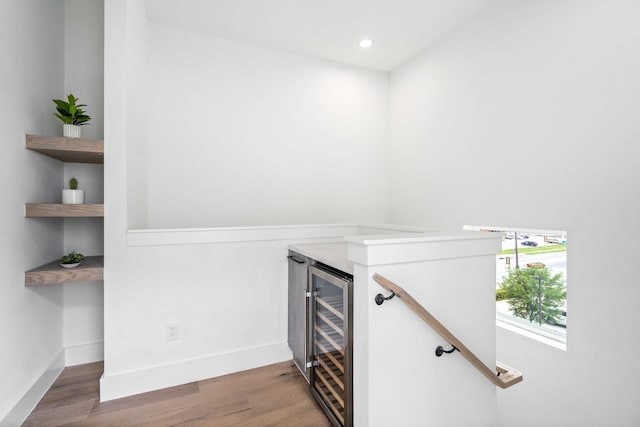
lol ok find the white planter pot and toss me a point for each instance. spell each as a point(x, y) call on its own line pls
point(71, 131)
point(74, 265)
point(72, 197)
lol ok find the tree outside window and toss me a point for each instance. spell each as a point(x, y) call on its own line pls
point(536, 294)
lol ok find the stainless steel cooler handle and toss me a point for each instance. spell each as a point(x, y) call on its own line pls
point(294, 259)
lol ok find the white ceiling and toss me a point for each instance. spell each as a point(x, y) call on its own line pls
point(328, 29)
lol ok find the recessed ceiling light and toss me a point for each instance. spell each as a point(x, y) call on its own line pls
point(366, 43)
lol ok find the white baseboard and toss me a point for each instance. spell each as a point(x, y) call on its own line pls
point(186, 371)
point(28, 402)
point(84, 353)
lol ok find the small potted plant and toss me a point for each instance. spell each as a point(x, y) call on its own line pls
point(72, 196)
point(71, 260)
point(72, 115)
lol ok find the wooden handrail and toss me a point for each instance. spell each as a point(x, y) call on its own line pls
point(503, 377)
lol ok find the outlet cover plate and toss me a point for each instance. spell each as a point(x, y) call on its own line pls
point(172, 331)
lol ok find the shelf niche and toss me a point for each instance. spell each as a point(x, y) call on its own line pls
point(69, 150)
point(72, 150)
point(92, 268)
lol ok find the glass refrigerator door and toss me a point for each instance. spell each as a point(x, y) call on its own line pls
point(329, 340)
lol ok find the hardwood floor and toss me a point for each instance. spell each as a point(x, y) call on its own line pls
point(275, 395)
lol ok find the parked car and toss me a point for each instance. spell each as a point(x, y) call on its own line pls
point(529, 243)
point(562, 320)
point(535, 264)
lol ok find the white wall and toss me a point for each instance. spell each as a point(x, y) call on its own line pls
point(229, 298)
point(84, 60)
point(397, 379)
point(117, 29)
point(528, 117)
point(137, 112)
point(525, 117)
point(242, 135)
point(84, 77)
point(31, 74)
point(255, 120)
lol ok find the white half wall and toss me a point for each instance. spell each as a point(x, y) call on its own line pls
point(31, 74)
point(527, 116)
point(240, 135)
point(229, 299)
point(397, 379)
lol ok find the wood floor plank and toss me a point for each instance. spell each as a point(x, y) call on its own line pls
point(258, 377)
point(143, 399)
point(169, 412)
point(75, 374)
point(60, 415)
point(274, 395)
point(166, 413)
point(61, 395)
point(303, 413)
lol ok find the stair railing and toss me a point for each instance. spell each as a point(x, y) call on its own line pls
point(504, 376)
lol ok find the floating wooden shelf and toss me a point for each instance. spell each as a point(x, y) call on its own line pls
point(91, 269)
point(74, 150)
point(58, 210)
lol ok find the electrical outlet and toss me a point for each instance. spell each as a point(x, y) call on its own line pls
point(172, 331)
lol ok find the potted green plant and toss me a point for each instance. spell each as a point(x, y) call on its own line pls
point(72, 196)
point(71, 260)
point(72, 115)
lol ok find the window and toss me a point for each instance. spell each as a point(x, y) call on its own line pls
point(531, 280)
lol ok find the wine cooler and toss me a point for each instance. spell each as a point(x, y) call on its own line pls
point(331, 342)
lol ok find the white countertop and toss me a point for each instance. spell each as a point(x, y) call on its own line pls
point(429, 236)
point(332, 254)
